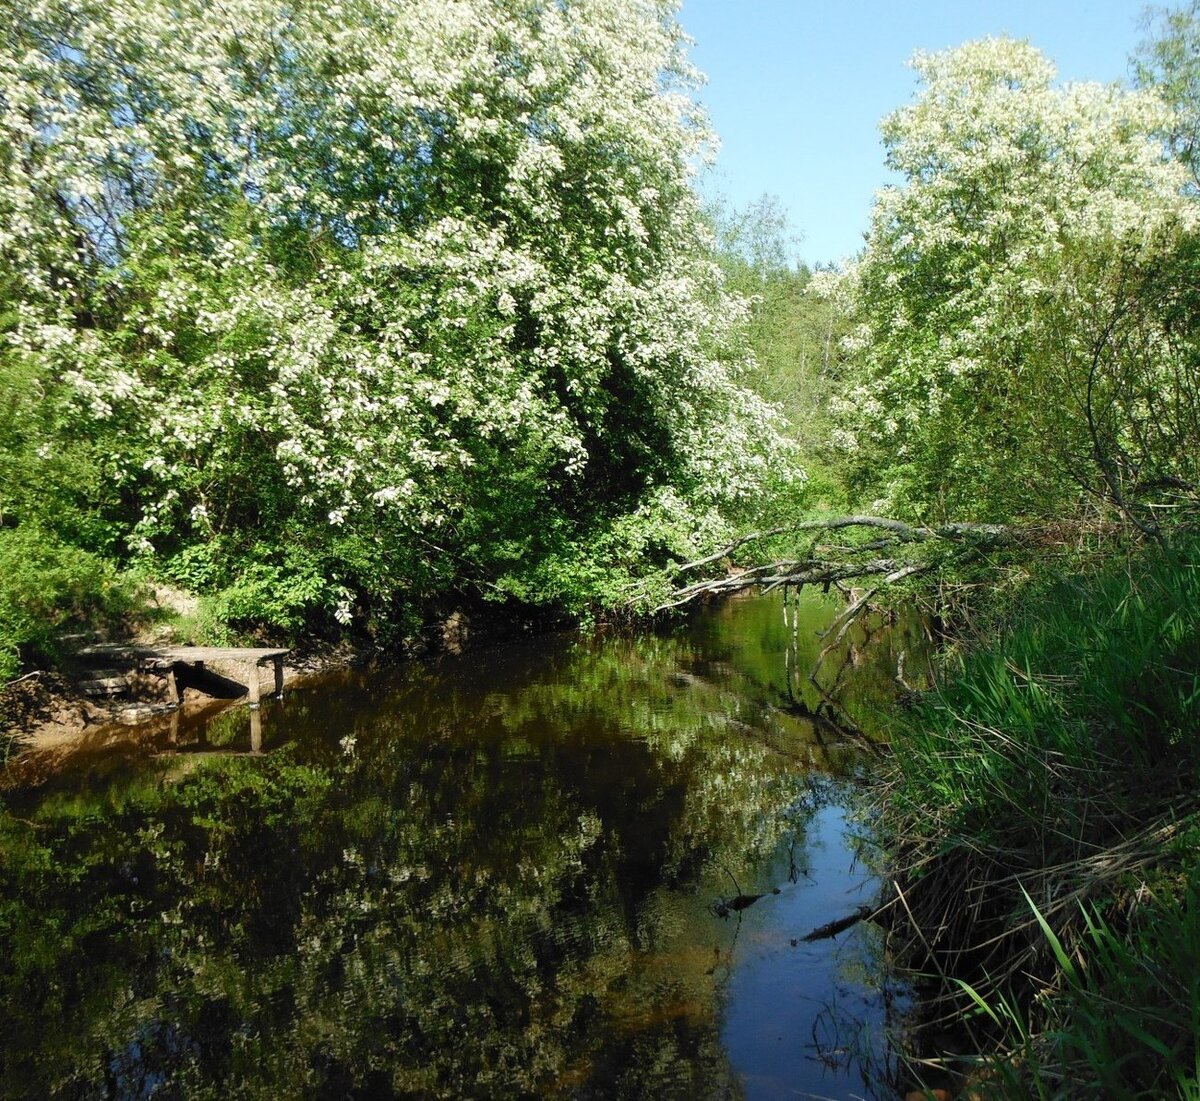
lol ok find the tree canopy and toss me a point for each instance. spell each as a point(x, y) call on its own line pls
point(1013, 352)
point(377, 296)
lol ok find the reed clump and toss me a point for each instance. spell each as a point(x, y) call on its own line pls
point(1043, 813)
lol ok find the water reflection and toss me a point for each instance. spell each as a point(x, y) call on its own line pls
point(499, 877)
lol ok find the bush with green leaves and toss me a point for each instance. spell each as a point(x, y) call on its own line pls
point(1023, 306)
point(47, 586)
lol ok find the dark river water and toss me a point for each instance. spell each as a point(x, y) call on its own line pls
point(524, 872)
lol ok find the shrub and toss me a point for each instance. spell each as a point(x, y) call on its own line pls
point(47, 585)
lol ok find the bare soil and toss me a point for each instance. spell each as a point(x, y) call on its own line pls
point(48, 711)
point(56, 713)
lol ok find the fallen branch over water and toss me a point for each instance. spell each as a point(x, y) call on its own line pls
point(847, 565)
point(905, 533)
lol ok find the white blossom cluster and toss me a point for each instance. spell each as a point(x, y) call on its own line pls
point(378, 253)
point(990, 274)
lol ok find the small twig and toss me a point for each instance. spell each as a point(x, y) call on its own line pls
point(849, 614)
point(27, 676)
point(852, 612)
point(736, 886)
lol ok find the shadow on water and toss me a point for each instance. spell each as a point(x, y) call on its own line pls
point(526, 872)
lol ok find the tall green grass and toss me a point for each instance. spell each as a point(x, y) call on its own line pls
point(1091, 700)
point(1122, 1020)
point(1045, 815)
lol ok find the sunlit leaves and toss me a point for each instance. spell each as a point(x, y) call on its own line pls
point(1004, 285)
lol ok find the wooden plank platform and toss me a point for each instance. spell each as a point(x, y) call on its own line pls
point(245, 655)
point(168, 659)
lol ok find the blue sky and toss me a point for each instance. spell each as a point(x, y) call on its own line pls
point(796, 88)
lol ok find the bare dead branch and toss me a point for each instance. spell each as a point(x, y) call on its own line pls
point(795, 574)
point(905, 533)
point(813, 573)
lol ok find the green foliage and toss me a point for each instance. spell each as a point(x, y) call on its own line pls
point(795, 336)
point(1168, 61)
point(284, 590)
point(1094, 686)
point(1123, 1020)
point(278, 597)
point(335, 315)
point(1129, 1019)
point(614, 566)
point(46, 586)
point(51, 476)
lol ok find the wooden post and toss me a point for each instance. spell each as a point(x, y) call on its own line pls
point(279, 676)
point(255, 730)
point(252, 685)
point(173, 685)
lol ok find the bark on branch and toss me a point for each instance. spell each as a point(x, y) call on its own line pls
point(781, 573)
point(904, 533)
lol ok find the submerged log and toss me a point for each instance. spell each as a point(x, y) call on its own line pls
point(832, 928)
point(722, 908)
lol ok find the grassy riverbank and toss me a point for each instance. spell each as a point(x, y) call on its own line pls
point(1044, 807)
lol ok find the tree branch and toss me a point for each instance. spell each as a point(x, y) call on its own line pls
point(812, 571)
point(905, 533)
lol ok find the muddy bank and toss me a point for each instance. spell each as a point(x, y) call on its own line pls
point(47, 716)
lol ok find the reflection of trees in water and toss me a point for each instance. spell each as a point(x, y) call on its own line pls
point(460, 882)
point(457, 890)
point(793, 655)
point(859, 1026)
point(846, 1033)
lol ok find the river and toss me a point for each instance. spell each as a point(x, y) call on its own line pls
point(523, 872)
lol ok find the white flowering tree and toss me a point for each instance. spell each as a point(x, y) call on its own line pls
point(1168, 61)
point(1013, 345)
point(376, 295)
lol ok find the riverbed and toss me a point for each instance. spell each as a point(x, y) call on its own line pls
point(570, 867)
